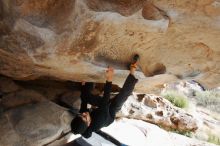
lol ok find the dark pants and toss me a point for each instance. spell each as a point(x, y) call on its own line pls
point(117, 102)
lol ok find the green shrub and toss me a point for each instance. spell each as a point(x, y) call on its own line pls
point(176, 98)
point(214, 139)
point(209, 99)
point(185, 133)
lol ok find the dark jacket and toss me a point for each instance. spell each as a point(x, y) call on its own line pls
point(100, 116)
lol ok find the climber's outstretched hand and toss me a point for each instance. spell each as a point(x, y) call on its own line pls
point(109, 74)
point(83, 83)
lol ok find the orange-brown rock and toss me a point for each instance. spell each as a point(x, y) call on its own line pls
point(76, 40)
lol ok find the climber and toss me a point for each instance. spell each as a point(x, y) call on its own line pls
point(87, 121)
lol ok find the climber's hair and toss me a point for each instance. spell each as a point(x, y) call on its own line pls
point(78, 126)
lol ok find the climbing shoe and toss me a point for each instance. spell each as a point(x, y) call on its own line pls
point(135, 59)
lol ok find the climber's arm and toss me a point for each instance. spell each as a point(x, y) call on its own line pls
point(108, 86)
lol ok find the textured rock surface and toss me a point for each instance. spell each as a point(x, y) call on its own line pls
point(7, 85)
point(18, 93)
point(20, 98)
point(157, 110)
point(77, 39)
point(33, 125)
point(208, 119)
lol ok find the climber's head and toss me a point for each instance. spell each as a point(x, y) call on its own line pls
point(80, 123)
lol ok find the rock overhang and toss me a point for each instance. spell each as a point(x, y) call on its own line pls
point(76, 40)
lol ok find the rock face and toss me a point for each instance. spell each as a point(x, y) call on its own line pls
point(77, 39)
point(34, 125)
point(18, 93)
point(7, 85)
point(157, 110)
point(20, 98)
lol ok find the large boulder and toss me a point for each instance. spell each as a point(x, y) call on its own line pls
point(7, 85)
point(20, 98)
point(77, 39)
point(157, 110)
point(34, 124)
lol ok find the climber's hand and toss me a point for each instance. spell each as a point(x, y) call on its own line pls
point(83, 83)
point(109, 74)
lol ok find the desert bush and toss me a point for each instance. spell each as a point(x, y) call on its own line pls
point(209, 99)
point(213, 139)
point(176, 98)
